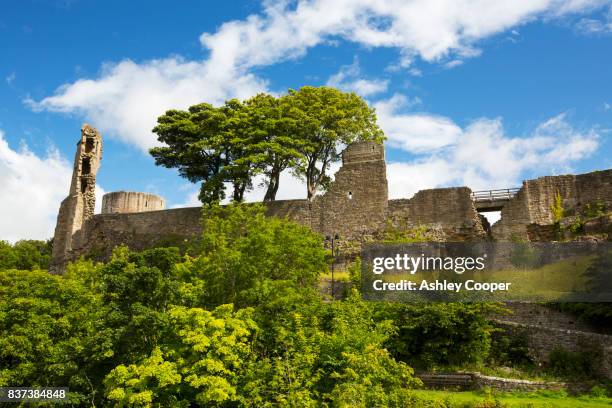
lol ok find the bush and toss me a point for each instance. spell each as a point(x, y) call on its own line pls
point(431, 335)
point(575, 365)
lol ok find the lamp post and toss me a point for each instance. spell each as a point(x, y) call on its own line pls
point(332, 240)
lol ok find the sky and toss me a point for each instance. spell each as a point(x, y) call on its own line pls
point(481, 93)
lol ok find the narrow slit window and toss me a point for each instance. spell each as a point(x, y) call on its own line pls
point(350, 195)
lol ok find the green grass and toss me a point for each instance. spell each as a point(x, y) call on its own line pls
point(547, 283)
point(338, 276)
point(484, 399)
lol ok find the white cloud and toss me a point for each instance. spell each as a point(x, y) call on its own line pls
point(32, 189)
point(483, 156)
point(10, 78)
point(414, 132)
point(592, 26)
point(607, 106)
point(428, 29)
point(348, 79)
point(127, 97)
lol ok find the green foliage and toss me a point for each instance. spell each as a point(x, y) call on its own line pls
point(263, 135)
point(403, 235)
point(449, 334)
point(199, 361)
point(524, 255)
point(557, 209)
point(575, 365)
point(241, 246)
point(313, 351)
point(577, 226)
point(25, 255)
point(327, 118)
point(51, 333)
point(152, 328)
point(509, 350)
point(592, 210)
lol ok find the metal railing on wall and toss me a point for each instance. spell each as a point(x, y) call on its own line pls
point(494, 195)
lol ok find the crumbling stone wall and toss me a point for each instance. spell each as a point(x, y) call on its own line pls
point(532, 204)
point(356, 202)
point(79, 206)
point(451, 209)
point(131, 202)
point(355, 207)
point(541, 341)
point(539, 315)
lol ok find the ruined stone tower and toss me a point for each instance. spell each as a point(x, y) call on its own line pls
point(80, 203)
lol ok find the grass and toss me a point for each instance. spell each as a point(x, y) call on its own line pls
point(551, 282)
point(338, 276)
point(485, 399)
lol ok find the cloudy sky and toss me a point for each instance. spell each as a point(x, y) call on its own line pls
point(482, 93)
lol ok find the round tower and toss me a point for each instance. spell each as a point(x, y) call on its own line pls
point(131, 202)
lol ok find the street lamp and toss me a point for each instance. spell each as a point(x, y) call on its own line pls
point(332, 240)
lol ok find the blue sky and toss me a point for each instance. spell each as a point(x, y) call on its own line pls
point(484, 94)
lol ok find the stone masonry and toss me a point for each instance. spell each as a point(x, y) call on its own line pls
point(355, 207)
point(79, 206)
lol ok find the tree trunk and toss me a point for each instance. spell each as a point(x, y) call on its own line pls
point(273, 185)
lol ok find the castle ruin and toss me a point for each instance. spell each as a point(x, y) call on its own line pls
point(355, 207)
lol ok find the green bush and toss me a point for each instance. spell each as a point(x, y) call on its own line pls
point(25, 255)
point(449, 334)
point(575, 365)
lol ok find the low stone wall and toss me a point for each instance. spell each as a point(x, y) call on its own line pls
point(474, 381)
point(541, 341)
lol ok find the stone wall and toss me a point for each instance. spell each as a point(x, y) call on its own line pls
point(542, 340)
point(79, 205)
point(103, 232)
point(356, 202)
point(142, 230)
point(131, 202)
point(532, 204)
point(355, 207)
point(542, 316)
point(451, 209)
point(475, 381)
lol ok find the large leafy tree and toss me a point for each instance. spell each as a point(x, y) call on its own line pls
point(264, 135)
point(25, 255)
point(328, 119)
point(272, 144)
point(194, 142)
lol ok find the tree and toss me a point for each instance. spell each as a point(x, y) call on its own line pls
point(25, 255)
point(303, 131)
point(51, 334)
point(194, 142)
point(273, 145)
point(199, 361)
point(327, 119)
point(240, 246)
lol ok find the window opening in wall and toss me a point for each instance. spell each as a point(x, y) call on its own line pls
point(89, 145)
point(83, 186)
point(350, 195)
point(146, 203)
point(86, 168)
